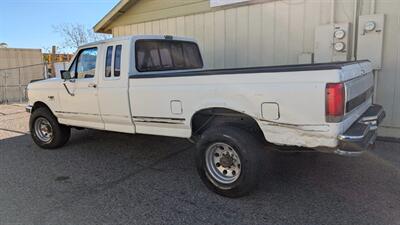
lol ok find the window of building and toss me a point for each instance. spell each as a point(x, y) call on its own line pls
point(162, 55)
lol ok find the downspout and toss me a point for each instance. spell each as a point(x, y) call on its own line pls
point(375, 72)
point(355, 25)
point(332, 11)
point(372, 7)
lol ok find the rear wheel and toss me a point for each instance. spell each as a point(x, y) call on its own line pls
point(45, 130)
point(229, 160)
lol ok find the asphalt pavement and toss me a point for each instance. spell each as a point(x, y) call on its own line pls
point(113, 178)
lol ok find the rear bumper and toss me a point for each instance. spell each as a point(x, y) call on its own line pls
point(362, 134)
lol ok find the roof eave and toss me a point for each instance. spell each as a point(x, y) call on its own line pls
point(114, 13)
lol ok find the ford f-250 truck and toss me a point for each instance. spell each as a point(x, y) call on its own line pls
point(157, 85)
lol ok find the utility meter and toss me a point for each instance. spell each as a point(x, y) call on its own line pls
point(339, 46)
point(339, 34)
point(332, 42)
point(369, 26)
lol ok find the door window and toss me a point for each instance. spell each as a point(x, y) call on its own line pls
point(86, 66)
point(72, 69)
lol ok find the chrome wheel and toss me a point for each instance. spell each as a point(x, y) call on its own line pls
point(43, 130)
point(223, 163)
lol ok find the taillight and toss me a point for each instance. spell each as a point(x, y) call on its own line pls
point(334, 103)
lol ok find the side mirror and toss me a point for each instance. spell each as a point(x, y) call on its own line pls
point(65, 74)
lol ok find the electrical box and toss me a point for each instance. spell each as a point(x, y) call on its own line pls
point(332, 43)
point(370, 39)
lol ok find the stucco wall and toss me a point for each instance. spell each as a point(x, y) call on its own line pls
point(17, 68)
point(275, 33)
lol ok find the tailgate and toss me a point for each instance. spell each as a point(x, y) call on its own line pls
point(359, 85)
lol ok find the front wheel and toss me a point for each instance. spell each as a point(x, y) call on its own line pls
point(229, 161)
point(45, 130)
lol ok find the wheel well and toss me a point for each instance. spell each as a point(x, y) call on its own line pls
point(206, 118)
point(38, 105)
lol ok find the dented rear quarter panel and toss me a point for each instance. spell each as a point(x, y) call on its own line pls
point(300, 96)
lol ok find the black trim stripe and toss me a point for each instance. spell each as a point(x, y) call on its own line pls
point(355, 102)
point(78, 113)
point(158, 120)
point(265, 69)
point(152, 121)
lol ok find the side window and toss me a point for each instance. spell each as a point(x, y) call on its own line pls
point(72, 69)
point(162, 55)
point(108, 61)
point(117, 61)
point(86, 66)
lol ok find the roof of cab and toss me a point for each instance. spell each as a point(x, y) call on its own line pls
point(139, 37)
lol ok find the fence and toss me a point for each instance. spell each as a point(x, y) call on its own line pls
point(13, 81)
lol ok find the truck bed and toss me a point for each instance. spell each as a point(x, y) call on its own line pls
point(247, 70)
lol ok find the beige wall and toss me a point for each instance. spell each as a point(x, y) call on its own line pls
point(275, 33)
point(147, 10)
point(17, 68)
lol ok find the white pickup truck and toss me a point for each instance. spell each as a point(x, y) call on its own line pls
point(157, 85)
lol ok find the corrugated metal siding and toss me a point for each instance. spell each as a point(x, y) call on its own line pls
point(145, 10)
point(272, 33)
point(275, 33)
point(389, 77)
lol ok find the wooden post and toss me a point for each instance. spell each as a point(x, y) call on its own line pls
point(19, 85)
point(53, 60)
point(5, 88)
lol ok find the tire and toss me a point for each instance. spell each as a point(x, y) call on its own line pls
point(223, 178)
point(57, 134)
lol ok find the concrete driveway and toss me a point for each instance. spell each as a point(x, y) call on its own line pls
point(111, 178)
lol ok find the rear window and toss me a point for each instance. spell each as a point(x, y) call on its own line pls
point(162, 55)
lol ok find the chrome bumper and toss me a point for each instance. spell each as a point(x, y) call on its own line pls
point(362, 134)
point(28, 109)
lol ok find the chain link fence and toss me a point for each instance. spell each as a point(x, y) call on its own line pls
point(13, 81)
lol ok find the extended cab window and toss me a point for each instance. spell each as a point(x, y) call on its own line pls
point(117, 61)
point(161, 55)
point(108, 61)
point(86, 65)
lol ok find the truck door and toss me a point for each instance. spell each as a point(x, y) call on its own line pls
point(113, 88)
point(79, 100)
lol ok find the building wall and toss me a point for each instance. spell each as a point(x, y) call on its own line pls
point(17, 68)
point(275, 33)
point(143, 11)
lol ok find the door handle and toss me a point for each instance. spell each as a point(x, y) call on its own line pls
point(92, 85)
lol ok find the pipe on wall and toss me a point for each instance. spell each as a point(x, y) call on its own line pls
point(372, 7)
point(355, 26)
point(375, 72)
point(332, 11)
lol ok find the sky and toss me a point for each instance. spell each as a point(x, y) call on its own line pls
point(29, 23)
